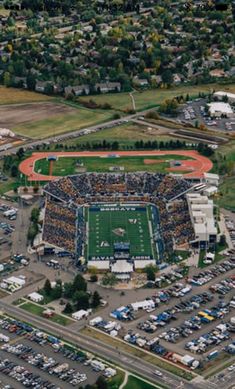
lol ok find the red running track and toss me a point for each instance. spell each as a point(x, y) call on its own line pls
point(196, 167)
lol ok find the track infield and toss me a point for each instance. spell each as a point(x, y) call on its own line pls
point(193, 167)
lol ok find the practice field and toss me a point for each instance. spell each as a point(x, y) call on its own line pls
point(71, 165)
point(192, 164)
point(109, 224)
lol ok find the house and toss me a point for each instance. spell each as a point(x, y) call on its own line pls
point(141, 82)
point(77, 90)
point(108, 87)
point(41, 86)
point(217, 73)
point(36, 297)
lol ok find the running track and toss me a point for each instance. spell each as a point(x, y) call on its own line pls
point(196, 167)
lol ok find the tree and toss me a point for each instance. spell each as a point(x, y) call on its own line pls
point(81, 299)
point(47, 287)
point(68, 308)
point(101, 383)
point(93, 278)
point(68, 290)
point(14, 171)
point(150, 271)
point(57, 290)
point(95, 299)
point(79, 283)
point(20, 153)
point(109, 279)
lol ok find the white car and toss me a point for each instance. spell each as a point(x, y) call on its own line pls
point(158, 373)
point(231, 368)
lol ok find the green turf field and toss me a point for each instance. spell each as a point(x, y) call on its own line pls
point(119, 225)
point(67, 165)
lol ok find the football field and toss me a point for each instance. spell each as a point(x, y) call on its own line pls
point(109, 224)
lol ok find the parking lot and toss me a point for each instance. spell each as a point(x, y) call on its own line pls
point(171, 319)
point(195, 111)
point(36, 360)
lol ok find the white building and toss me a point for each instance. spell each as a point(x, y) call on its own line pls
point(82, 314)
point(218, 109)
point(210, 191)
point(220, 95)
point(211, 178)
point(145, 304)
point(36, 297)
point(201, 211)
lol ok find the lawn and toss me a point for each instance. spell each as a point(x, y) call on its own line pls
point(19, 96)
point(226, 197)
point(60, 124)
point(116, 381)
point(37, 310)
point(137, 383)
point(132, 350)
point(126, 135)
point(104, 227)
point(68, 165)
point(154, 97)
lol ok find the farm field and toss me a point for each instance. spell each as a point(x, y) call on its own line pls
point(108, 226)
point(68, 165)
point(154, 97)
point(65, 119)
point(19, 96)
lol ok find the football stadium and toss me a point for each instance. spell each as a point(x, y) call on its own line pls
point(117, 221)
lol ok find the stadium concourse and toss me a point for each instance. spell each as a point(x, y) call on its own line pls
point(146, 224)
point(196, 165)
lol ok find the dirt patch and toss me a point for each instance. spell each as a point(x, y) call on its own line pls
point(153, 161)
point(13, 115)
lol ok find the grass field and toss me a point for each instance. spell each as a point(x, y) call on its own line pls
point(137, 383)
point(68, 165)
point(120, 225)
point(19, 96)
point(61, 123)
point(37, 310)
point(149, 98)
point(226, 196)
point(126, 135)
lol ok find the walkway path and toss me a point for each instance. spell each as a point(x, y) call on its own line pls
point(125, 380)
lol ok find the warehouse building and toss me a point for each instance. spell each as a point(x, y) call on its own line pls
point(220, 109)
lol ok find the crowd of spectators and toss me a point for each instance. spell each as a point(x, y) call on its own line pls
point(155, 188)
point(59, 227)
